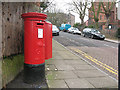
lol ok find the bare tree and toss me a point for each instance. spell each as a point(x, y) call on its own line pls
point(57, 18)
point(108, 7)
point(80, 7)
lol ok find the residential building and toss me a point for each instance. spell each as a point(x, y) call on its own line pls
point(71, 19)
point(114, 22)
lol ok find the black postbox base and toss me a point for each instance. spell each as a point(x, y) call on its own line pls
point(34, 74)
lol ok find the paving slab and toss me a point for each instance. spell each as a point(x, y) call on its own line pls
point(64, 67)
point(65, 55)
point(57, 57)
point(56, 61)
point(75, 62)
point(57, 47)
point(60, 75)
point(89, 73)
point(68, 55)
point(103, 82)
point(78, 83)
point(57, 84)
point(83, 67)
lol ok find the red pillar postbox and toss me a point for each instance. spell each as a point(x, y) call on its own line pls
point(48, 40)
point(36, 36)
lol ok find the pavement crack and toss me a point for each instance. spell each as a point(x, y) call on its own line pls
point(66, 83)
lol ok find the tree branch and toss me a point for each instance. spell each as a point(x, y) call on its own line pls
point(113, 4)
point(104, 7)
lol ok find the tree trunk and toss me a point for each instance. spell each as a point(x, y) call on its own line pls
point(96, 26)
point(82, 21)
point(107, 22)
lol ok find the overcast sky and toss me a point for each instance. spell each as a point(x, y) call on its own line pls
point(63, 5)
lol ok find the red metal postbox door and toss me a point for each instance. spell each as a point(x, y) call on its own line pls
point(34, 42)
point(48, 40)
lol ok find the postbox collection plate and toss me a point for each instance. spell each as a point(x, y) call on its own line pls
point(40, 33)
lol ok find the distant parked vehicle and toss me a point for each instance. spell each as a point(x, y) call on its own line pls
point(92, 33)
point(70, 30)
point(55, 30)
point(74, 30)
point(64, 27)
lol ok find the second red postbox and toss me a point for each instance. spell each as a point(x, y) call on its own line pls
point(48, 40)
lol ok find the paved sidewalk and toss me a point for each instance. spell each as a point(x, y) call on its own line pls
point(110, 40)
point(67, 70)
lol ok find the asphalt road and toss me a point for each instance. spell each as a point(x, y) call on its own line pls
point(102, 54)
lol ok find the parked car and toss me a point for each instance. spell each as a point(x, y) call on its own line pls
point(70, 30)
point(74, 30)
point(92, 33)
point(64, 27)
point(55, 30)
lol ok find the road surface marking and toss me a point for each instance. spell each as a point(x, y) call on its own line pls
point(108, 68)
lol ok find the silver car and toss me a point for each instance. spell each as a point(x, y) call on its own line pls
point(55, 30)
point(74, 30)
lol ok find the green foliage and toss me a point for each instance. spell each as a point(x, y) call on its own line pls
point(118, 33)
point(76, 25)
point(86, 26)
point(90, 26)
point(96, 19)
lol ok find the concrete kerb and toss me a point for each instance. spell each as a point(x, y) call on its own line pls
point(86, 61)
point(113, 41)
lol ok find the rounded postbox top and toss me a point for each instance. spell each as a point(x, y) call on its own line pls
point(34, 15)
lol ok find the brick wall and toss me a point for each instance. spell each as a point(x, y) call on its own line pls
point(102, 17)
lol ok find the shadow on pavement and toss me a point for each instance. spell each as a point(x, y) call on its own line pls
point(18, 83)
